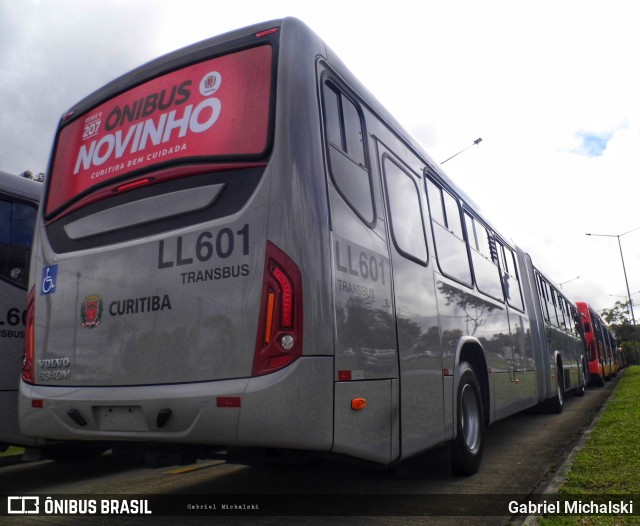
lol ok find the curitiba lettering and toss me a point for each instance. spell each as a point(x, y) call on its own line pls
point(139, 305)
point(113, 146)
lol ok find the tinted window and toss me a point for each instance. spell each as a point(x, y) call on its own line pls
point(16, 233)
point(546, 302)
point(405, 212)
point(510, 278)
point(557, 301)
point(453, 215)
point(485, 269)
point(346, 149)
point(451, 248)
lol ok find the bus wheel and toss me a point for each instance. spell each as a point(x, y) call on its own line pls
point(467, 447)
point(556, 404)
point(579, 391)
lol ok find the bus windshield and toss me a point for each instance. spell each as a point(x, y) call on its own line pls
point(217, 108)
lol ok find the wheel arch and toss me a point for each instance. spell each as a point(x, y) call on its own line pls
point(470, 350)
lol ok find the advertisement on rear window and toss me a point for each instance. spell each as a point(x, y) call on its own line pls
point(219, 107)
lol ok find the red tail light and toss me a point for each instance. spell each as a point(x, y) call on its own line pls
point(28, 357)
point(267, 32)
point(279, 340)
point(134, 184)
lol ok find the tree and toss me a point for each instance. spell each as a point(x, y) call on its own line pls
point(28, 174)
point(619, 314)
point(618, 318)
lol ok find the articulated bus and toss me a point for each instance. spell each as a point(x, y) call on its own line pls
point(19, 199)
point(239, 246)
point(601, 346)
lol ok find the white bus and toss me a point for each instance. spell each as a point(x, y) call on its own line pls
point(19, 199)
point(239, 246)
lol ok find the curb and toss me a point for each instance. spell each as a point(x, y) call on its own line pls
point(560, 475)
point(8, 460)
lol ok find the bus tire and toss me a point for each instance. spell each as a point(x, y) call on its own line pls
point(467, 447)
point(580, 390)
point(556, 404)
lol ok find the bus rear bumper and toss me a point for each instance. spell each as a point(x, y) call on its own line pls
point(291, 408)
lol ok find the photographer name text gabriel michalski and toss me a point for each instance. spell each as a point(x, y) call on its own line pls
point(572, 507)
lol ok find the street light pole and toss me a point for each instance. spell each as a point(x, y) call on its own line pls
point(477, 141)
point(624, 269)
point(568, 281)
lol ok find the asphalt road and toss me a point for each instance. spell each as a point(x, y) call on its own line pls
point(522, 455)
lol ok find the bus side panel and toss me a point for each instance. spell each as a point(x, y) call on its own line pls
point(17, 204)
point(463, 313)
point(538, 336)
point(292, 408)
point(422, 407)
point(364, 329)
point(12, 305)
point(524, 361)
point(368, 432)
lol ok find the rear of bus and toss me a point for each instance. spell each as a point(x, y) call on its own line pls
point(179, 284)
point(592, 342)
point(18, 204)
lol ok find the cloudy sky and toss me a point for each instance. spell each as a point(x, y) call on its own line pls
point(552, 87)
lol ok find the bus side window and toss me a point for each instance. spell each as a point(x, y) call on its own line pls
point(345, 138)
point(545, 300)
point(484, 267)
point(405, 212)
point(16, 234)
point(451, 248)
point(558, 320)
point(510, 277)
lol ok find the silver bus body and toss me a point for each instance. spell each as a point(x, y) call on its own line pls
point(312, 290)
point(19, 199)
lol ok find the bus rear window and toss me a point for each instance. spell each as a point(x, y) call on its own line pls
point(215, 108)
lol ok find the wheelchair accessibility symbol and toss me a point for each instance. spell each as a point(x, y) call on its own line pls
point(49, 277)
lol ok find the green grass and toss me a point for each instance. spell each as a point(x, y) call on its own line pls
point(609, 464)
point(12, 451)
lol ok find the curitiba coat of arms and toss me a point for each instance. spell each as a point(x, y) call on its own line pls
point(91, 311)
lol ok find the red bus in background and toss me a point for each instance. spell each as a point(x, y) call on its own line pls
point(616, 355)
point(601, 346)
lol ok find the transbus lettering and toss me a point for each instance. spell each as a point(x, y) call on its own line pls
point(215, 274)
